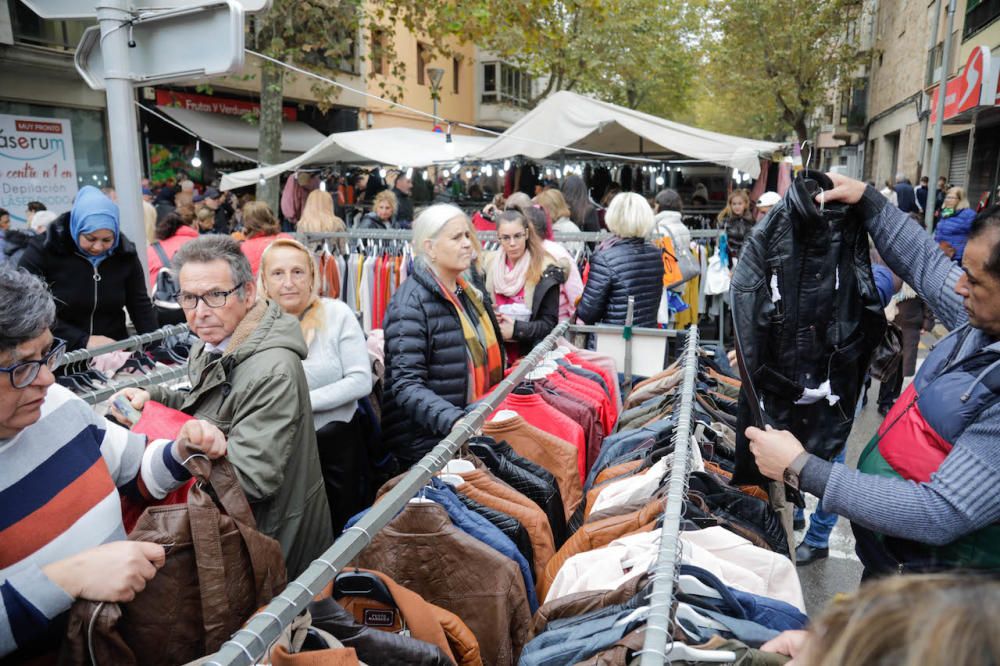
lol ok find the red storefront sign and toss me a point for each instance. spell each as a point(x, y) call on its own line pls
point(975, 86)
point(212, 104)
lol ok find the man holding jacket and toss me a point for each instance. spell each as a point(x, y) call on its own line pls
point(923, 497)
point(247, 378)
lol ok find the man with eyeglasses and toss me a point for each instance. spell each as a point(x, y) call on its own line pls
point(62, 468)
point(246, 377)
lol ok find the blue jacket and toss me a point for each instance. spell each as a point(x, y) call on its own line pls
point(627, 267)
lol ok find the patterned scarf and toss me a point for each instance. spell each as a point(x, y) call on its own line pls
point(481, 345)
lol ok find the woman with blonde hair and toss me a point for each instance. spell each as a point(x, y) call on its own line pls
point(554, 203)
point(261, 228)
point(523, 281)
point(382, 213)
point(318, 217)
point(736, 219)
point(952, 230)
point(337, 370)
point(624, 265)
point(442, 344)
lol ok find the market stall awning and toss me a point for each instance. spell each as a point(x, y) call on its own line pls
point(393, 146)
point(566, 121)
point(235, 133)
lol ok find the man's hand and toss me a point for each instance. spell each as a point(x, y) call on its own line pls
point(95, 341)
point(137, 397)
point(774, 450)
point(844, 189)
point(789, 643)
point(113, 572)
point(200, 437)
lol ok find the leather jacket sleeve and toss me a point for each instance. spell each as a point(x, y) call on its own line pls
point(542, 323)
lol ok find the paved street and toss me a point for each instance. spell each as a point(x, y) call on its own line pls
point(841, 572)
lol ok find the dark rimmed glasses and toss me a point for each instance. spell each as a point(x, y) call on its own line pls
point(213, 299)
point(24, 373)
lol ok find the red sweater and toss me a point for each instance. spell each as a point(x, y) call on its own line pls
point(545, 417)
point(170, 246)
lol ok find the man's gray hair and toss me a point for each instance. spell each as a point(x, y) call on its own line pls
point(206, 249)
point(26, 307)
point(900, 176)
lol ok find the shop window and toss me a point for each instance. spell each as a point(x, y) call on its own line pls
point(423, 57)
point(978, 15)
point(456, 71)
point(378, 51)
point(29, 28)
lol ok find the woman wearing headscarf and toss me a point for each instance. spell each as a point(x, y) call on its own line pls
point(94, 273)
point(442, 344)
point(337, 368)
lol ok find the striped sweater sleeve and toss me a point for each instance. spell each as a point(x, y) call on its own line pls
point(913, 255)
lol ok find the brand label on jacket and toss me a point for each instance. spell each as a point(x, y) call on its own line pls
point(376, 617)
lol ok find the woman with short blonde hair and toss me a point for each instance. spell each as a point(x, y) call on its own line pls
point(383, 212)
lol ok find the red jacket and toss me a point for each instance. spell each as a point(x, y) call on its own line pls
point(170, 246)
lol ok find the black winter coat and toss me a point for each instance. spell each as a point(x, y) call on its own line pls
point(544, 310)
point(805, 311)
point(630, 267)
point(90, 301)
point(737, 229)
point(15, 243)
point(372, 221)
point(426, 367)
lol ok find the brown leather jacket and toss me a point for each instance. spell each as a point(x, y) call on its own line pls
point(423, 620)
point(424, 551)
point(552, 453)
point(593, 535)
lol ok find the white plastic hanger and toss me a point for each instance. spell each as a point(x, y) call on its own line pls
point(454, 467)
point(504, 414)
point(678, 651)
point(452, 479)
point(692, 586)
point(687, 612)
point(543, 370)
point(558, 352)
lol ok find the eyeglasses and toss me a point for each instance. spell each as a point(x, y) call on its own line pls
point(516, 238)
point(213, 299)
point(25, 372)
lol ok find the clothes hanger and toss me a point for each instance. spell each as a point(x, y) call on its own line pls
point(687, 612)
point(458, 466)
point(362, 584)
point(690, 585)
point(452, 479)
point(504, 415)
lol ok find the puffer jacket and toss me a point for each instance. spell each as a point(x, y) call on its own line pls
point(426, 367)
point(90, 300)
point(257, 394)
point(625, 267)
point(807, 317)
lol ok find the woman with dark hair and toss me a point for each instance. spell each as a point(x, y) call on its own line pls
point(523, 280)
point(583, 213)
point(172, 233)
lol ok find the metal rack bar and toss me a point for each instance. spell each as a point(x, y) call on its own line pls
point(133, 342)
point(665, 574)
point(159, 377)
point(265, 627)
point(407, 234)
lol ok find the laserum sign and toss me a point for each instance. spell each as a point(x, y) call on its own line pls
point(36, 163)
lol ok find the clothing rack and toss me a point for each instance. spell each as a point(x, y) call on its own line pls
point(139, 381)
point(658, 625)
point(134, 342)
point(407, 234)
point(252, 642)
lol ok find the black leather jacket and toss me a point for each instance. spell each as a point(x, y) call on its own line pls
point(806, 311)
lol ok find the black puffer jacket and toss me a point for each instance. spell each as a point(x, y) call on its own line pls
point(629, 267)
point(426, 367)
point(807, 315)
point(373, 221)
point(89, 300)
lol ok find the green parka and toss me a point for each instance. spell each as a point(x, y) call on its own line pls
point(257, 394)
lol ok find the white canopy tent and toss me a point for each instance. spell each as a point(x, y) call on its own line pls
point(567, 122)
point(396, 146)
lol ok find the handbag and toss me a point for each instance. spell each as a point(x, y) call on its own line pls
point(888, 356)
point(717, 276)
point(219, 570)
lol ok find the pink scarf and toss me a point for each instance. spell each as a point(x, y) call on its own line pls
point(509, 281)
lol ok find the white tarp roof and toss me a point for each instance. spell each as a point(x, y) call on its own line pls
point(567, 120)
point(235, 133)
point(394, 146)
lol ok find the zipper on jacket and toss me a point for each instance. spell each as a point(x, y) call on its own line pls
point(93, 310)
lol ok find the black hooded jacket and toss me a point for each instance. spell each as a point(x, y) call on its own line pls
point(89, 300)
point(806, 311)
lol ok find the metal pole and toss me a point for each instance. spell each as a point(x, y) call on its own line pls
point(627, 334)
point(265, 627)
point(126, 167)
point(133, 342)
point(925, 100)
point(932, 172)
point(661, 599)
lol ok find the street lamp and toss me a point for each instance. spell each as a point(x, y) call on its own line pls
point(435, 74)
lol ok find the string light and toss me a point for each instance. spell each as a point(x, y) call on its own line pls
point(196, 160)
point(506, 165)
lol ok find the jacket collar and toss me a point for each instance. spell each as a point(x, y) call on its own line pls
point(421, 519)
